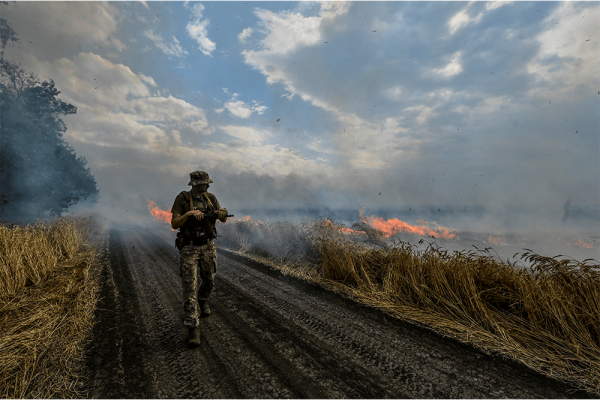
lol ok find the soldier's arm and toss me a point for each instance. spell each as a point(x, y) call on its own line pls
point(177, 221)
point(220, 210)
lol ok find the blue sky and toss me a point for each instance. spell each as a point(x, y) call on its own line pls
point(312, 104)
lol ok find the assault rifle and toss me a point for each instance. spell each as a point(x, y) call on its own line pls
point(213, 215)
point(199, 235)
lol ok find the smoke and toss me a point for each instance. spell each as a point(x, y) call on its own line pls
point(40, 174)
point(566, 211)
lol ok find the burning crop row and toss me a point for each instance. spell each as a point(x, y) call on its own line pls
point(392, 227)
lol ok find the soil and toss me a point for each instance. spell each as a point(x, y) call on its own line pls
point(273, 336)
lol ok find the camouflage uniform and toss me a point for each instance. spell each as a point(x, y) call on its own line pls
point(197, 266)
point(197, 258)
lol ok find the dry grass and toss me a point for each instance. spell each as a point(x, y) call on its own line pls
point(47, 302)
point(546, 317)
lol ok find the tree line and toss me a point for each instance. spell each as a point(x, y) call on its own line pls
point(40, 174)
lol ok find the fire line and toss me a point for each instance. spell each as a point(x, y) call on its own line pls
point(394, 226)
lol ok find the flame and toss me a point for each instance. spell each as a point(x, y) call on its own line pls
point(393, 226)
point(581, 243)
point(342, 229)
point(248, 218)
point(496, 241)
point(161, 215)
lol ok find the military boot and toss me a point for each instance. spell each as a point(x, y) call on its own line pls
point(194, 338)
point(205, 308)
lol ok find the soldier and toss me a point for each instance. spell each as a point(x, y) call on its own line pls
point(197, 253)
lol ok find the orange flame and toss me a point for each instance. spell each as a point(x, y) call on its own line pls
point(496, 241)
point(342, 229)
point(161, 215)
point(394, 226)
point(581, 243)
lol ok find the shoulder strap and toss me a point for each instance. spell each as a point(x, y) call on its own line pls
point(207, 199)
point(187, 195)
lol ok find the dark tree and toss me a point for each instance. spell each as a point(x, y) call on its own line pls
point(40, 174)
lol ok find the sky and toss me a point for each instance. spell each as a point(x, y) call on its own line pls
point(334, 105)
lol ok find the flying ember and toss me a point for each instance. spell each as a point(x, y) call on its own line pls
point(394, 226)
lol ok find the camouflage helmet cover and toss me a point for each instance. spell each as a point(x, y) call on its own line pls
point(199, 178)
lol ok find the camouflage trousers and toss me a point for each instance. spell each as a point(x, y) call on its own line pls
point(197, 266)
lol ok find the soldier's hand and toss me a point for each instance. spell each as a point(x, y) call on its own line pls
point(196, 213)
point(221, 213)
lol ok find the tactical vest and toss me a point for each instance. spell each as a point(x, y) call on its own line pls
point(196, 230)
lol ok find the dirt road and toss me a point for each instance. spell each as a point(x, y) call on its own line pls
point(273, 336)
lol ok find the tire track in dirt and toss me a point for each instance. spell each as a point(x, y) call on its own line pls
point(179, 368)
point(273, 336)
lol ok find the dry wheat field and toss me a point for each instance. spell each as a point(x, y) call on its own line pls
point(47, 299)
point(546, 316)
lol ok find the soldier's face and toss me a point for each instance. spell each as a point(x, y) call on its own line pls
point(202, 187)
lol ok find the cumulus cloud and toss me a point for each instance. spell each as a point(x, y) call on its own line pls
point(171, 49)
point(242, 110)
point(122, 111)
point(357, 142)
point(246, 33)
point(117, 107)
point(197, 29)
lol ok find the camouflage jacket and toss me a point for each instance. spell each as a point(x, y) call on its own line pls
point(192, 227)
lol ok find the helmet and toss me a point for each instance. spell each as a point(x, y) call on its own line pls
point(199, 178)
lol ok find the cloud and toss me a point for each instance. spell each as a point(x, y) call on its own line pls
point(242, 110)
point(459, 20)
point(55, 29)
point(492, 5)
point(393, 93)
point(117, 107)
point(317, 145)
point(172, 49)
point(246, 33)
point(246, 133)
point(197, 29)
point(462, 18)
point(568, 57)
point(122, 111)
point(452, 68)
